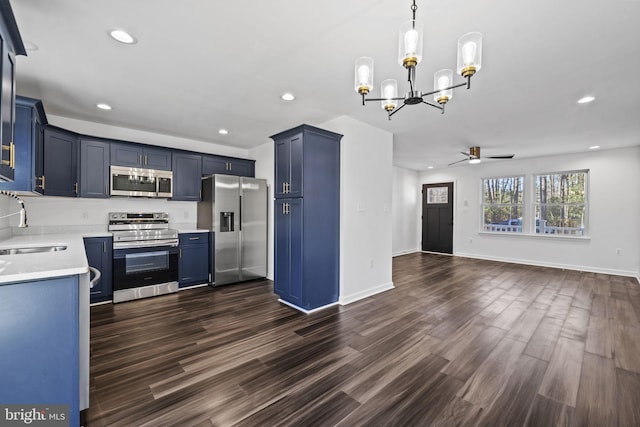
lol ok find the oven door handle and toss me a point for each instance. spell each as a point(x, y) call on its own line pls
point(149, 244)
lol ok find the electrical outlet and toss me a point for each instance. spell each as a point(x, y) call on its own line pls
point(618, 251)
point(186, 215)
point(85, 215)
point(371, 263)
point(470, 240)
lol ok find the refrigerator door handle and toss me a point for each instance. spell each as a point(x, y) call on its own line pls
point(240, 212)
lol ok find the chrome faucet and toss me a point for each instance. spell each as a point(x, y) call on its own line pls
point(22, 212)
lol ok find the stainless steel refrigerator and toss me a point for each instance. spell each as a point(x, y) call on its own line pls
point(235, 209)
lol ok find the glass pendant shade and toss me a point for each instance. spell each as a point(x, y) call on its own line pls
point(469, 54)
point(410, 44)
point(443, 79)
point(389, 90)
point(364, 75)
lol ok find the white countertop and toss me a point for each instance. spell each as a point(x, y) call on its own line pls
point(17, 268)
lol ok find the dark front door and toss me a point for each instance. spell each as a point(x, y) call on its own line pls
point(437, 217)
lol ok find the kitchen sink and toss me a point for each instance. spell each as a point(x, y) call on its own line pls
point(32, 249)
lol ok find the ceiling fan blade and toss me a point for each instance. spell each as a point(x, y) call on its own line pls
point(463, 160)
point(500, 156)
point(465, 154)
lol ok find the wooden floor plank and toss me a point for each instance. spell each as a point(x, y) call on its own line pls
point(549, 413)
point(544, 339)
point(524, 383)
point(627, 347)
point(600, 337)
point(486, 383)
point(596, 404)
point(562, 377)
point(628, 396)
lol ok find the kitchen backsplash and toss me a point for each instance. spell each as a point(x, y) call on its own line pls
point(44, 212)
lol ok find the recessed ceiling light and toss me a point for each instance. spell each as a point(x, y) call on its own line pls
point(103, 106)
point(594, 147)
point(429, 167)
point(586, 99)
point(122, 36)
point(223, 132)
point(288, 96)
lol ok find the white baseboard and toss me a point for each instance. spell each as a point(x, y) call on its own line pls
point(348, 299)
point(585, 268)
point(307, 311)
point(405, 252)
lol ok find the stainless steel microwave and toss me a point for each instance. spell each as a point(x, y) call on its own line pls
point(137, 182)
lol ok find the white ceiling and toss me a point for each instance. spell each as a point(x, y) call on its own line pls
point(202, 65)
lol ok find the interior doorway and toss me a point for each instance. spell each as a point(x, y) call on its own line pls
point(437, 217)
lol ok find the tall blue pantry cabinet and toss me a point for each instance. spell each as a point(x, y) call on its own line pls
point(307, 217)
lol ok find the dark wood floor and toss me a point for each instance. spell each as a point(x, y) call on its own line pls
point(458, 342)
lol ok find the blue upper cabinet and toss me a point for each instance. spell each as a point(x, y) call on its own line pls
point(227, 166)
point(187, 174)
point(28, 140)
point(140, 156)
point(288, 167)
point(10, 46)
point(60, 177)
point(94, 167)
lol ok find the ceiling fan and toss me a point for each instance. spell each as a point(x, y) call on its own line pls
point(473, 156)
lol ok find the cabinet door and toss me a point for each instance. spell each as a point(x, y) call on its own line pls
point(186, 176)
point(7, 112)
point(288, 167)
point(242, 168)
point(99, 255)
point(194, 265)
point(156, 158)
point(123, 154)
point(23, 140)
point(94, 168)
point(288, 250)
point(60, 163)
point(214, 165)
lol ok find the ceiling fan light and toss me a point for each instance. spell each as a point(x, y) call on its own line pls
point(410, 44)
point(364, 75)
point(442, 79)
point(474, 161)
point(469, 54)
point(389, 90)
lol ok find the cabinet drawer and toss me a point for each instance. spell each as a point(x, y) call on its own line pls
point(193, 238)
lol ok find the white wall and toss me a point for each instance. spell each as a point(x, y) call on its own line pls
point(134, 135)
point(614, 212)
point(265, 169)
point(405, 211)
point(366, 156)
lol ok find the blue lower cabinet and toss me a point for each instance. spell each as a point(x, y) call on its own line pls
point(40, 345)
point(193, 268)
point(99, 252)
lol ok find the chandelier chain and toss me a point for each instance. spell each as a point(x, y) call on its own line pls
point(414, 7)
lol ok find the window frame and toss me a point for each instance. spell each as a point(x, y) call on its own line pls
point(536, 204)
point(522, 206)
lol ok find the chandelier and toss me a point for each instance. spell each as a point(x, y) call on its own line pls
point(409, 56)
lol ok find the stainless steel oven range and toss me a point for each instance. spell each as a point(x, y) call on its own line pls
point(145, 255)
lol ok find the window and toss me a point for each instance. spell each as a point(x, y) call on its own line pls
point(561, 203)
point(502, 204)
